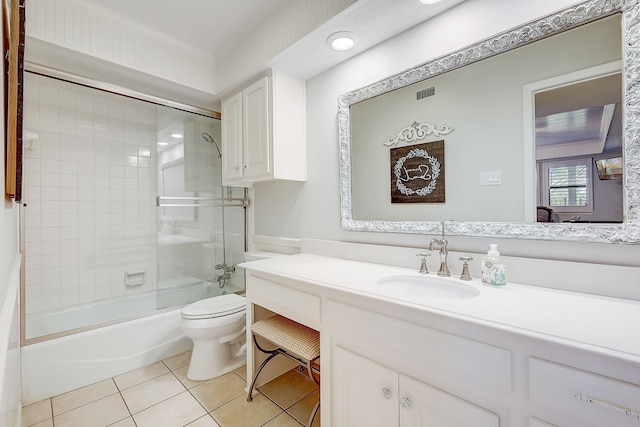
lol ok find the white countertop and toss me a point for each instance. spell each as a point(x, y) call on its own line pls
point(609, 324)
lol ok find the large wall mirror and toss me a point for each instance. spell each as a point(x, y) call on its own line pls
point(540, 131)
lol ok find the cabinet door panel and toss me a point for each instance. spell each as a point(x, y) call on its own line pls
point(363, 393)
point(257, 144)
point(430, 406)
point(535, 422)
point(232, 137)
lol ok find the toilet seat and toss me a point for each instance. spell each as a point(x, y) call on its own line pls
point(219, 306)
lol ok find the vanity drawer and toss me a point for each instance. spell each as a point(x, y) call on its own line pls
point(284, 300)
point(430, 355)
point(589, 399)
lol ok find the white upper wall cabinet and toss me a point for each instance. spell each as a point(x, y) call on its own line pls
point(263, 131)
point(231, 113)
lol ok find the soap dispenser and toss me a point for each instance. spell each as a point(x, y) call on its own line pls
point(493, 271)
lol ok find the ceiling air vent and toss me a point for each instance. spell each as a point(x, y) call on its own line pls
point(425, 93)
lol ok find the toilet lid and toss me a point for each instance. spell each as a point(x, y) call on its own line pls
point(222, 305)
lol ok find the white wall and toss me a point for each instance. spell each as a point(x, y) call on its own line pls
point(89, 41)
point(312, 209)
point(10, 355)
point(242, 60)
point(10, 386)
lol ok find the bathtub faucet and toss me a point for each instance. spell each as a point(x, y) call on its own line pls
point(226, 268)
point(226, 275)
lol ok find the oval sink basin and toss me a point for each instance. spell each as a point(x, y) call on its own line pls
point(412, 287)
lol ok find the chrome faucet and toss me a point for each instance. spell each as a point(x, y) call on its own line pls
point(226, 275)
point(442, 244)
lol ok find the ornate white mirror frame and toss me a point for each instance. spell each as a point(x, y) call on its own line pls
point(625, 232)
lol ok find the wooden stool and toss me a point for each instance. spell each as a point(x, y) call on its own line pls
point(291, 339)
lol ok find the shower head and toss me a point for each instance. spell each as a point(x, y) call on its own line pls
point(209, 139)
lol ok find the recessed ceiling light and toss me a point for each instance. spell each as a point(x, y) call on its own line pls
point(163, 143)
point(176, 135)
point(429, 1)
point(342, 40)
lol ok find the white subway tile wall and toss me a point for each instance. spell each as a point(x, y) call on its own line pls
point(89, 187)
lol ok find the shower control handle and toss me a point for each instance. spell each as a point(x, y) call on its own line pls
point(227, 269)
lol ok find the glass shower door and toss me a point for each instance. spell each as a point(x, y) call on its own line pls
point(191, 214)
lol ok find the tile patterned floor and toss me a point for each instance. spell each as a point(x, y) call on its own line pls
point(160, 395)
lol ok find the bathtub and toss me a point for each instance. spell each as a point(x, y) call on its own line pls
point(81, 316)
point(59, 365)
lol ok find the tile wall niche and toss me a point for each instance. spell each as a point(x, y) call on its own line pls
point(89, 185)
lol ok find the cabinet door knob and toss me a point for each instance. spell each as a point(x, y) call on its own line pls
point(386, 392)
point(405, 402)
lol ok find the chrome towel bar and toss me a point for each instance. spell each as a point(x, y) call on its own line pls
point(171, 201)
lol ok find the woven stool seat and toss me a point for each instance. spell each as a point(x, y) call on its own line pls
point(289, 335)
point(291, 339)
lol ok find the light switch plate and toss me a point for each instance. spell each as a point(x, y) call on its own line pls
point(490, 178)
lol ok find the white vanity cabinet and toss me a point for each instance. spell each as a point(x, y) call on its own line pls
point(509, 357)
point(365, 393)
point(263, 131)
point(374, 362)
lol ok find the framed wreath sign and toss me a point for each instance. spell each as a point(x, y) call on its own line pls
point(417, 173)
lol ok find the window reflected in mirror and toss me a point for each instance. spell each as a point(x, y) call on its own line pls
point(579, 126)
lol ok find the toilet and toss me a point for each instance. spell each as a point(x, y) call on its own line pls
point(217, 328)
